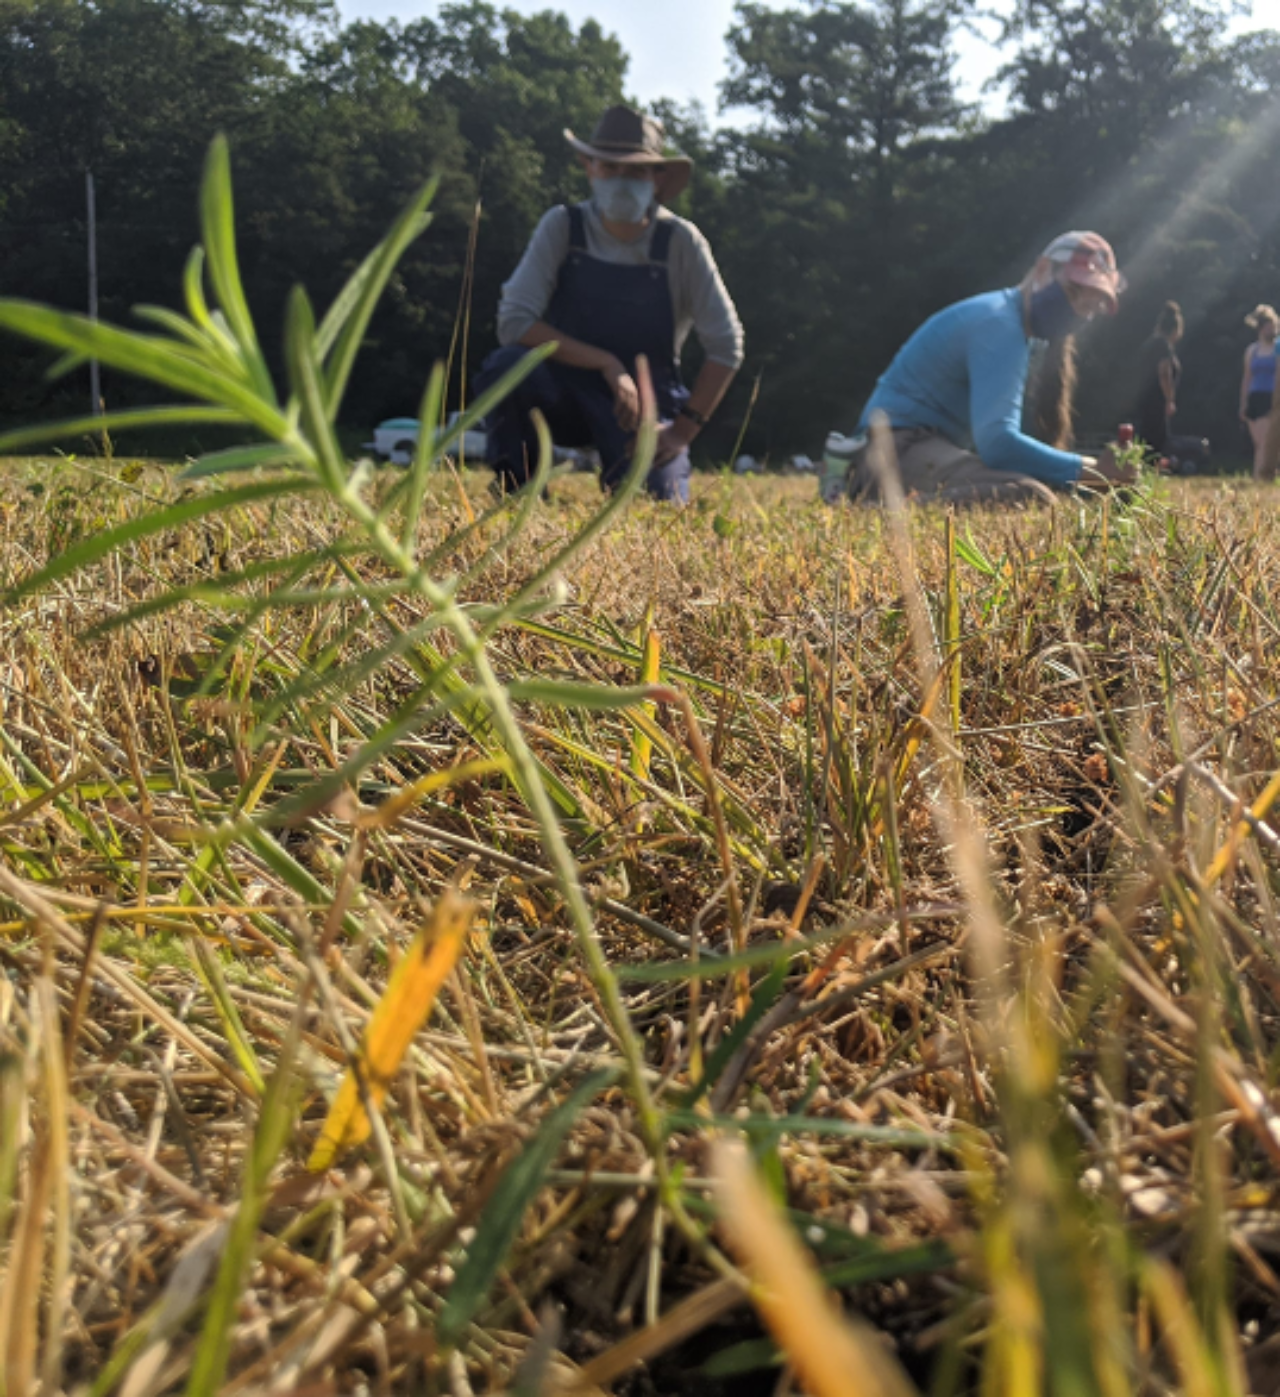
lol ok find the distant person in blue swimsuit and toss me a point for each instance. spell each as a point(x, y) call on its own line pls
point(608, 280)
point(954, 393)
point(1257, 388)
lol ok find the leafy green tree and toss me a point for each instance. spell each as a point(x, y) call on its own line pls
point(129, 90)
point(852, 98)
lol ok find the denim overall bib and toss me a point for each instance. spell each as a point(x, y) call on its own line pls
point(625, 310)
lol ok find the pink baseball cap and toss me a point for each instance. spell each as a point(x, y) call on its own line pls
point(1089, 261)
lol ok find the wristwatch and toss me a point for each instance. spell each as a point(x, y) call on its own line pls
point(692, 413)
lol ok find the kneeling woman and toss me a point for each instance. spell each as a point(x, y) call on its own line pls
point(953, 395)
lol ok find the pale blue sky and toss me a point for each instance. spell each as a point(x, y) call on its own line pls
point(677, 46)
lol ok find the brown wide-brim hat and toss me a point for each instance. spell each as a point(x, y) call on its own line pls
point(628, 137)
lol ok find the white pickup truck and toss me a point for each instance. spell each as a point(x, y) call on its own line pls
point(396, 439)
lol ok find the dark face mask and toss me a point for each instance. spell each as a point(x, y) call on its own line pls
point(1051, 315)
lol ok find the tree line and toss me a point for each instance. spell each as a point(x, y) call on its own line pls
point(861, 194)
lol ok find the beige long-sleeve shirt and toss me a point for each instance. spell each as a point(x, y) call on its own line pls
point(699, 300)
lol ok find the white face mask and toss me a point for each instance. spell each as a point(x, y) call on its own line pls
point(623, 200)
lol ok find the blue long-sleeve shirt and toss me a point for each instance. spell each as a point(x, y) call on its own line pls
point(963, 374)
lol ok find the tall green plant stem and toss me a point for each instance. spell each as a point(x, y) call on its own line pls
point(396, 555)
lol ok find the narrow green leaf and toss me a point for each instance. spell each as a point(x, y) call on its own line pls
point(770, 1128)
point(409, 717)
point(492, 396)
point(96, 546)
point(143, 356)
point(423, 456)
point(761, 1002)
point(341, 680)
point(113, 422)
point(967, 549)
point(527, 497)
point(373, 276)
point(627, 653)
point(64, 364)
point(305, 380)
point(476, 716)
point(209, 970)
point(599, 698)
point(646, 441)
point(193, 288)
point(748, 1356)
point(217, 222)
point(204, 342)
point(500, 1222)
point(770, 954)
point(275, 1121)
point(211, 591)
point(888, 1263)
point(281, 862)
point(244, 458)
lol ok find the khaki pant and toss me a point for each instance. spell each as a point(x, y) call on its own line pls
point(933, 468)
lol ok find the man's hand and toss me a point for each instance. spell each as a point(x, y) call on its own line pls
point(1105, 471)
point(673, 439)
point(626, 396)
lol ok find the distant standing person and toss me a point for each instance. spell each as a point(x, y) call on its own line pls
point(610, 279)
point(1161, 372)
point(1257, 388)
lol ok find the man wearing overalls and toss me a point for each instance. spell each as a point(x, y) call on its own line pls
point(611, 279)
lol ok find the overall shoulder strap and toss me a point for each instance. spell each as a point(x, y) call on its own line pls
point(577, 228)
point(660, 247)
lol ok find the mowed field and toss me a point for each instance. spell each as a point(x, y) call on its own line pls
point(936, 867)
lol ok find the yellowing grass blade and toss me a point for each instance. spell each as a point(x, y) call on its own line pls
point(384, 816)
point(400, 1012)
point(1226, 856)
point(650, 664)
point(952, 628)
point(834, 1356)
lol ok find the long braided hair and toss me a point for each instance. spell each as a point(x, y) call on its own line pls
point(1051, 392)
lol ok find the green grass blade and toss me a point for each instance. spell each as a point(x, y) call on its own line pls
point(424, 455)
point(762, 1000)
point(628, 654)
point(408, 719)
point(761, 1129)
point(492, 396)
point(208, 968)
point(217, 222)
point(193, 289)
point(143, 356)
point(598, 698)
point(204, 342)
point(97, 546)
point(305, 380)
point(353, 311)
point(339, 681)
point(211, 592)
point(275, 1121)
point(244, 458)
point(477, 716)
point(500, 1222)
point(299, 880)
point(646, 439)
point(527, 497)
point(113, 422)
